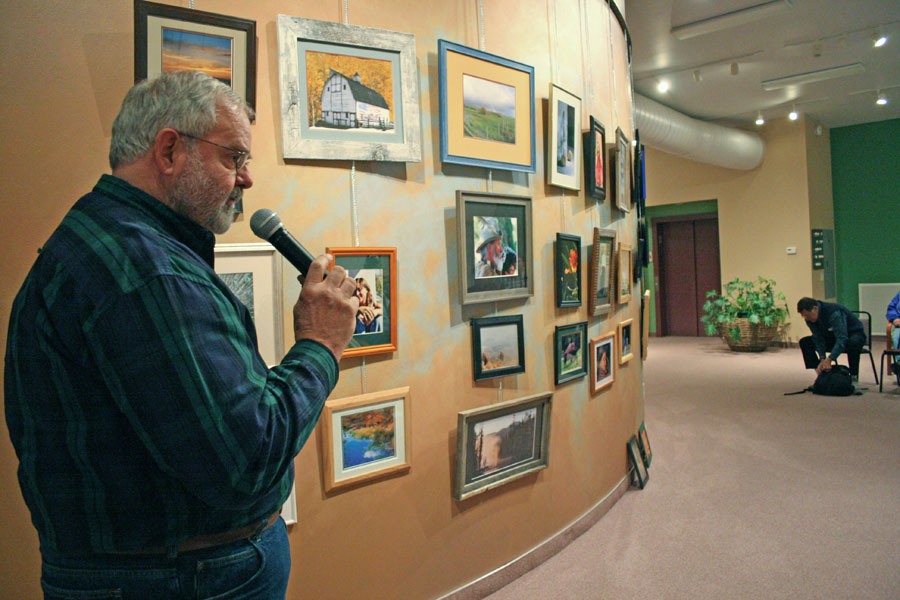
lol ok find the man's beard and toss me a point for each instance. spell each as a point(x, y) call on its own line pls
point(196, 196)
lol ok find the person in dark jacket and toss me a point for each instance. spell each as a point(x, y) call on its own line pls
point(835, 331)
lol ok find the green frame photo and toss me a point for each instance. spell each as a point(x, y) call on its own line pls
point(568, 270)
point(570, 348)
point(498, 346)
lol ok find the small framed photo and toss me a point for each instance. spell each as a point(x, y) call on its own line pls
point(375, 272)
point(638, 193)
point(568, 270)
point(253, 274)
point(495, 250)
point(625, 272)
point(645, 323)
point(603, 361)
point(366, 437)
point(500, 443)
point(624, 335)
point(171, 38)
point(595, 160)
point(621, 182)
point(644, 444)
point(570, 347)
point(564, 139)
point(498, 346)
point(486, 109)
point(640, 469)
point(602, 284)
point(347, 92)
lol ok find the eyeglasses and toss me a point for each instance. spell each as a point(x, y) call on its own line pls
point(240, 157)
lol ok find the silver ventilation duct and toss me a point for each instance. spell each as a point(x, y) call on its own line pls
point(676, 133)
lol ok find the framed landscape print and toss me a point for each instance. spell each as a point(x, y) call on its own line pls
point(603, 286)
point(171, 38)
point(375, 272)
point(564, 139)
point(486, 109)
point(495, 249)
point(500, 443)
point(644, 445)
point(625, 348)
point(347, 92)
point(498, 346)
point(595, 160)
point(621, 183)
point(253, 273)
point(603, 361)
point(366, 437)
point(570, 352)
point(568, 270)
point(624, 273)
point(640, 469)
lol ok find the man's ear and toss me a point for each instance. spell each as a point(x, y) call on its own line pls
point(164, 151)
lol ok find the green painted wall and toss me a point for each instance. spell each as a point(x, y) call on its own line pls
point(669, 210)
point(865, 171)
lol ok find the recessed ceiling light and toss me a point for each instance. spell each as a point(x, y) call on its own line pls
point(882, 99)
point(759, 119)
point(663, 86)
point(879, 39)
point(793, 114)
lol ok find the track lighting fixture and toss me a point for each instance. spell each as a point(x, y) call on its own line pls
point(882, 99)
point(759, 119)
point(698, 76)
point(734, 68)
point(878, 38)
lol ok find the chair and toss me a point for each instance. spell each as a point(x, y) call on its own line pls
point(890, 353)
point(867, 347)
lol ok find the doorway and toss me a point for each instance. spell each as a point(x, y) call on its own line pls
point(687, 261)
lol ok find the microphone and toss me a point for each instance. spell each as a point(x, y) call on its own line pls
point(267, 224)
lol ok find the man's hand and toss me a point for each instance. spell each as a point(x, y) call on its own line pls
point(896, 322)
point(824, 365)
point(326, 309)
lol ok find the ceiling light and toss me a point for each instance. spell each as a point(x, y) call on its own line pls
point(663, 86)
point(759, 119)
point(793, 114)
point(730, 19)
point(879, 39)
point(813, 76)
point(882, 99)
point(734, 68)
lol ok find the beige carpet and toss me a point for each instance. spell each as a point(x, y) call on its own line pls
point(752, 494)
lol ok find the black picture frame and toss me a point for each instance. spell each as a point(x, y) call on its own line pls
point(150, 19)
point(595, 160)
point(567, 264)
point(491, 342)
point(642, 475)
point(644, 445)
point(570, 348)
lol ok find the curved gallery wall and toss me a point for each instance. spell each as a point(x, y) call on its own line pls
point(396, 532)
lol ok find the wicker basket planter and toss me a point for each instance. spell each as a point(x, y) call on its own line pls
point(753, 337)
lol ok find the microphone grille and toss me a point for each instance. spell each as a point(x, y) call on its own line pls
point(264, 223)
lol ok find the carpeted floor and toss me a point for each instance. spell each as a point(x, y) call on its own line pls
point(752, 494)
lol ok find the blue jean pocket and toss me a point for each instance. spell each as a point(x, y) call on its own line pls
point(228, 576)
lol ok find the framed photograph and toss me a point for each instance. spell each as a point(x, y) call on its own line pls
point(375, 272)
point(640, 470)
point(645, 323)
point(495, 250)
point(595, 160)
point(601, 274)
point(253, 274)
point(500, 443)
point(644, 444)
point(564, 139)
point(170, 38)
point(624, 335)
point(366, 437)
point(347, 92)
point(570, 352)
point(568, 270)
point(603, 361)
point(498, 346)
point(637, 189)
point(625, 271)
point(487, 109)
point(621, 183)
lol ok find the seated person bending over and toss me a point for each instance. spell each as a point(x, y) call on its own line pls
point(893, 317)
point(833, 328)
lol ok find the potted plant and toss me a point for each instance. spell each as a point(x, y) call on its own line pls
point(746, 314)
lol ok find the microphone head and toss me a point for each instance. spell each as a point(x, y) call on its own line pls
point(265, 222)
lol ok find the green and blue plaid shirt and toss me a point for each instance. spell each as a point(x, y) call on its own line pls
point(139, 407)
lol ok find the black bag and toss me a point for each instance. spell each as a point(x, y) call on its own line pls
point(836, 382)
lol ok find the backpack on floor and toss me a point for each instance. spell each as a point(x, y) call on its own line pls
point(836, 382)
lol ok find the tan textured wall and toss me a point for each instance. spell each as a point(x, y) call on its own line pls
point(66, 66)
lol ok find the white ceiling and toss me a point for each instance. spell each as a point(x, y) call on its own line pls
point(801, 36)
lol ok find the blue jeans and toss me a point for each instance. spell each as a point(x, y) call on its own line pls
point(253, 569)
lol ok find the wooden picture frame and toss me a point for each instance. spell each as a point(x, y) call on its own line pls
point(570, 347)
point(603, 363)
point(645, 323)
point(172, 38)
point(489, 273)
point(498, 346)
point(347, 92)
point(625, 337)
point(564, 139)
point(375, 270)
point(253, 273)
point(567, 266)
point(482, 463)
point(366, 437)
point(485, 99)
point(640, 469)
point(594, 143)
point(621, 158)
point(643, 441)
point(602, 282)
point(625, 271)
